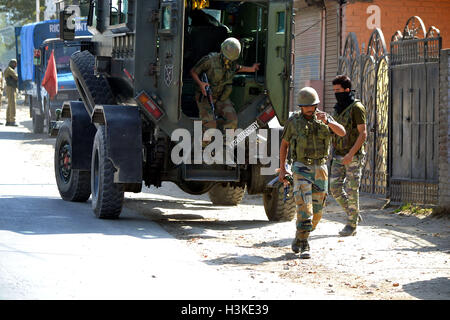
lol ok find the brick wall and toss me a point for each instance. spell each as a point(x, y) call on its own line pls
point(444, 130)
point(362, 16)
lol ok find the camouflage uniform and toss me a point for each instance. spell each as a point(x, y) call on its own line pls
point(309, 145)
point(220, 77)
point(345, 179)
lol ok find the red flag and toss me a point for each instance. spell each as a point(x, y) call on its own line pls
point(50, 81)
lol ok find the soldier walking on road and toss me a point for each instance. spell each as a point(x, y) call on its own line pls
point(348, 152)
point(308, 137)
point(220, 69)
point(11, 79)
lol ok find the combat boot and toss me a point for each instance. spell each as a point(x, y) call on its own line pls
point(348, 231)
point(295, 246)
point(301, 246)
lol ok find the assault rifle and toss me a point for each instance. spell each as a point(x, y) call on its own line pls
point(209, 96)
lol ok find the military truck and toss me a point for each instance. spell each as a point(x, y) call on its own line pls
point(34, 44)
point(136, 92)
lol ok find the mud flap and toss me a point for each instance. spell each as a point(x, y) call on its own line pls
point(124, 140)
point(83, 132)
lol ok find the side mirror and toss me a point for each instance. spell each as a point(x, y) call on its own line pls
point(90, 16)
point(66, 25)
point(37, 57)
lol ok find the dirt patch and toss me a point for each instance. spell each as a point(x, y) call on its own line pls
point(393, 255)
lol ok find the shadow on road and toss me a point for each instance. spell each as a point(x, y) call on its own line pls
point(42, 215)
point(431, 229)
point(429, 289)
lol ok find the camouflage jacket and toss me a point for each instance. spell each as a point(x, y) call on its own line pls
point(219, 76)
point(346, 118)
point(309, 140)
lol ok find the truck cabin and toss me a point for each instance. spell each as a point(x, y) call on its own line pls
point(62, 52)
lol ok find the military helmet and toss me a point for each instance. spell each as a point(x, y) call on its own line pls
point(231, 48)
point(12, 61)
point(307, 96)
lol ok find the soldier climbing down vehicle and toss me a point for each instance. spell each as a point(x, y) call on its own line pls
point(220, 68)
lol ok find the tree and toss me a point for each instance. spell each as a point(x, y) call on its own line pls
point(20, 12)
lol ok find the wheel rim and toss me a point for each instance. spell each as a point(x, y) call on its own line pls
point(95, 175)
point(65, 162)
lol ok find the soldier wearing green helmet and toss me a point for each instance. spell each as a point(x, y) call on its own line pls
point(307, 135)
point(220, 69)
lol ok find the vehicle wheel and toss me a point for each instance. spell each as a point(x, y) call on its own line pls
point(107, 197)
point(275, 207)
point(38, 123)
point(93, 89)
point(226, 195)
point(73, 185)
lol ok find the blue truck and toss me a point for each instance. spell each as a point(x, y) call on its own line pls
point(34, 45)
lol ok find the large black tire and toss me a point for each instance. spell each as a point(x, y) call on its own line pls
point(38, 122)
point(226, 195)
point(107, 197)
point(73, 185)
point(93, 89)
point(275, 207)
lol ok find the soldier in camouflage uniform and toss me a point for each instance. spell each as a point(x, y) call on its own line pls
point(348, 152)
point(308, 137)
point(220, 69)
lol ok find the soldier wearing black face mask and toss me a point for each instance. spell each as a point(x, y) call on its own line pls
point(348, 152)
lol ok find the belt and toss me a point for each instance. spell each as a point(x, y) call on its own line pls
point(309, 161)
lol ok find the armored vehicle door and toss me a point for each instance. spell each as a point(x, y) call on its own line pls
point(170, 56)
point(279, 56)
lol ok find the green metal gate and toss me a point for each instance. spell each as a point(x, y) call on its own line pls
point(369, 73)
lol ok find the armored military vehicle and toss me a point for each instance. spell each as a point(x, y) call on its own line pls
point(136, 92)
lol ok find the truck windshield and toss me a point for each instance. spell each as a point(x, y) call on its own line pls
point(62, 57)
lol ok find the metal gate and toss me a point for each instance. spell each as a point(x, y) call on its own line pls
point(369, 73)
point(414, 78)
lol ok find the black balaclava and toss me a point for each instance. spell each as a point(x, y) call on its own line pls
point(344, 99)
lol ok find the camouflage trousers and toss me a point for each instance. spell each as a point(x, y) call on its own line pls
point(310, 193)
point(344, 185)
point(223, 108)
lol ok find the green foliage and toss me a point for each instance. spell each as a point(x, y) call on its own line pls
point(19, 12)
point(410, 209)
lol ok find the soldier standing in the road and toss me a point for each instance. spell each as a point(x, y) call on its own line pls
point(308, 136)
point(11, 79)
point(220, 69)
point(348, 154)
